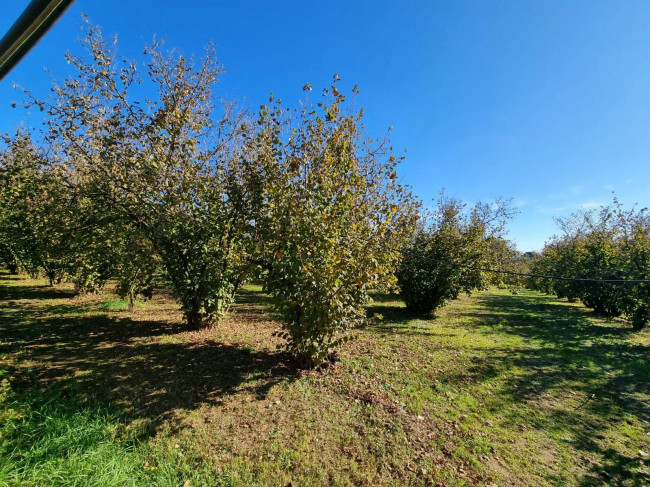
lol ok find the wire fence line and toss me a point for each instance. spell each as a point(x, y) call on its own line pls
point(537, 276)
point(542, 276)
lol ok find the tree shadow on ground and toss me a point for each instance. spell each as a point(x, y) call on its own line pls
point(143, 369)
point(394, 318)
point(385, 297)
point(33, 292)
point(254, 302)
point(570, 353)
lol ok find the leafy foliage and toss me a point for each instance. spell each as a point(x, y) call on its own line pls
point(611, 244)
point(331, 217)
point(138, 269)
point(504, 256)
point(34, 215)
point(165, 168)
point(441, 256)
point(8, 259)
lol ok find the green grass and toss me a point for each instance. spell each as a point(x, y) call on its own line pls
point(497, 389)
point(120, 305)
point(54, 441)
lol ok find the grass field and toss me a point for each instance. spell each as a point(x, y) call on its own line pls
point(498, 389)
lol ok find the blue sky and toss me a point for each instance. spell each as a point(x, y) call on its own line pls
point(547, 102)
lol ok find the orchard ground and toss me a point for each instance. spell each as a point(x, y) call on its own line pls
point(498, 389)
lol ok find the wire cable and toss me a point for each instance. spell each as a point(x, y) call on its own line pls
point(541, 276)
point(537, 276)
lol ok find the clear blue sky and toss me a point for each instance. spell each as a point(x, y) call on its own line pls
point(547, 102)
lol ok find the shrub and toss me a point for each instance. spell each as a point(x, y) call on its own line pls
point(612, 244)
point(440, 259)
point(331, 218)
point(165, 167)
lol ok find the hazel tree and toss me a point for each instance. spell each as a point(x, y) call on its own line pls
point(98, 243)
point(611, 244)
point(635, 248)
point(165, 165)
point(137, 266)
point(330, 219)
point(34, 212)
point(8, 258)
point(441, 258)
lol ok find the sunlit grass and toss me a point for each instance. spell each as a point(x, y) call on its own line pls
point(495, 389)
point(120, 305)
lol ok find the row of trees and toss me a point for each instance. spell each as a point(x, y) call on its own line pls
point(611, 244)
point(180, 190)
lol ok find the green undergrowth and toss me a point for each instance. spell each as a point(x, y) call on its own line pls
point(51, 440)
point(497, 389)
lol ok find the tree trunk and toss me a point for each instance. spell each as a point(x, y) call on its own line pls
point(51, 275)
point(131, 300)
point(195, 319)
point(640, 318)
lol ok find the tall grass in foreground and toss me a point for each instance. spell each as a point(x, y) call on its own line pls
point(56, 442)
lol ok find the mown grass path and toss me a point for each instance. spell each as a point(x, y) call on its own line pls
point(498, 389)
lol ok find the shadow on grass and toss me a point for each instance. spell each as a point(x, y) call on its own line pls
point(394, 318)
point(33, 292)
point(397, 320)
point(570, 352)
point(385, 297)
point(567, 350)
point(254, 302)
point(116, 363)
